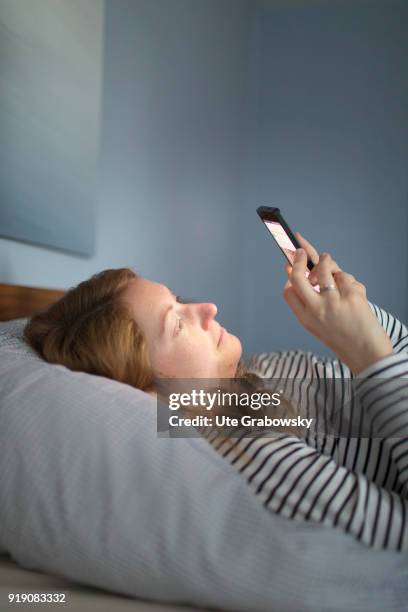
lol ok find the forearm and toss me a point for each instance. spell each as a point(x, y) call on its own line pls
point(294, 480)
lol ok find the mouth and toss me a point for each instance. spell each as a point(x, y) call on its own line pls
point(221, 336)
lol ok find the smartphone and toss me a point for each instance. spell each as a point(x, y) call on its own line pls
point(282, 233)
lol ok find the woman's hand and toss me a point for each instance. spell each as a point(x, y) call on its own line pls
point(314, 257)
point(340, 315)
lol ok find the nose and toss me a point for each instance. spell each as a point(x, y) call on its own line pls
point(207, 312)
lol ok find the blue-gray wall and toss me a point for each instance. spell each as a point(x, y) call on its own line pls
point(175, 76)
point(330, 147)
point(212, 107)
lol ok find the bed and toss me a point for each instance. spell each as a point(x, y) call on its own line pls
point(15, 579)
point(19, 302)
point(194, 531)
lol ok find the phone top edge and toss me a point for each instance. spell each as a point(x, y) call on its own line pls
point(268, 213)
point(265, 210)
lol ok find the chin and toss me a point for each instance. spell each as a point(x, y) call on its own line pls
point(235, 347)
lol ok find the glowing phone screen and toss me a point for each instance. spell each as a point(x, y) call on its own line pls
point(282, 239)
point(285, 244)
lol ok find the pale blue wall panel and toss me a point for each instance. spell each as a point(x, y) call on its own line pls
point(50, 98)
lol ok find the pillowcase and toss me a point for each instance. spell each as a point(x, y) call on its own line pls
point(90, 492)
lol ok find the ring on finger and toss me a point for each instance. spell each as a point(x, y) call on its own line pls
point(328, 287)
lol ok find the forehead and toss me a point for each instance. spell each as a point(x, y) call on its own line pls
point(146, 298)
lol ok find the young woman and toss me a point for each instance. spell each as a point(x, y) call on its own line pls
point(133, 330)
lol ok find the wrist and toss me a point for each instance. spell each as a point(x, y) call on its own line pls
point(360, 361)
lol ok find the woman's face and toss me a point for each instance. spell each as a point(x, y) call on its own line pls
point(184, 340)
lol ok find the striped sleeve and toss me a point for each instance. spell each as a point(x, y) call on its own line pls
point(302, 480)
point(397, 331)
point(267, 364)
point(383, 394)
point(294, 480)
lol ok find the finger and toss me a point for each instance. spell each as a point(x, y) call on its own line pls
point(309, 248)
point(300, 283)
point(293, 301)
point(314, 273)
point(288, 269)
point(324, 272)
point(347, 283)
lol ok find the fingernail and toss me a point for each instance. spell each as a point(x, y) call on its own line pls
point(299, 254)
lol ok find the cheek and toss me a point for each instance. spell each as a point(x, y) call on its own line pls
point(233, 347)
point(231, 357)
point(186, 359)
point(198, 358)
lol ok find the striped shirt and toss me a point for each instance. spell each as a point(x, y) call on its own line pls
point(350, 481)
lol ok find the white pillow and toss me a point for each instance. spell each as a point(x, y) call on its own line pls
point(88, 491)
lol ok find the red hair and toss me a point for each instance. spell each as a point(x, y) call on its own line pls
point(92, 330)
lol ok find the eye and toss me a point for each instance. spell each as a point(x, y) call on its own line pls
point(180, 324)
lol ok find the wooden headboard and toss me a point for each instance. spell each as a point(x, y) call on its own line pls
point(17, 301)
